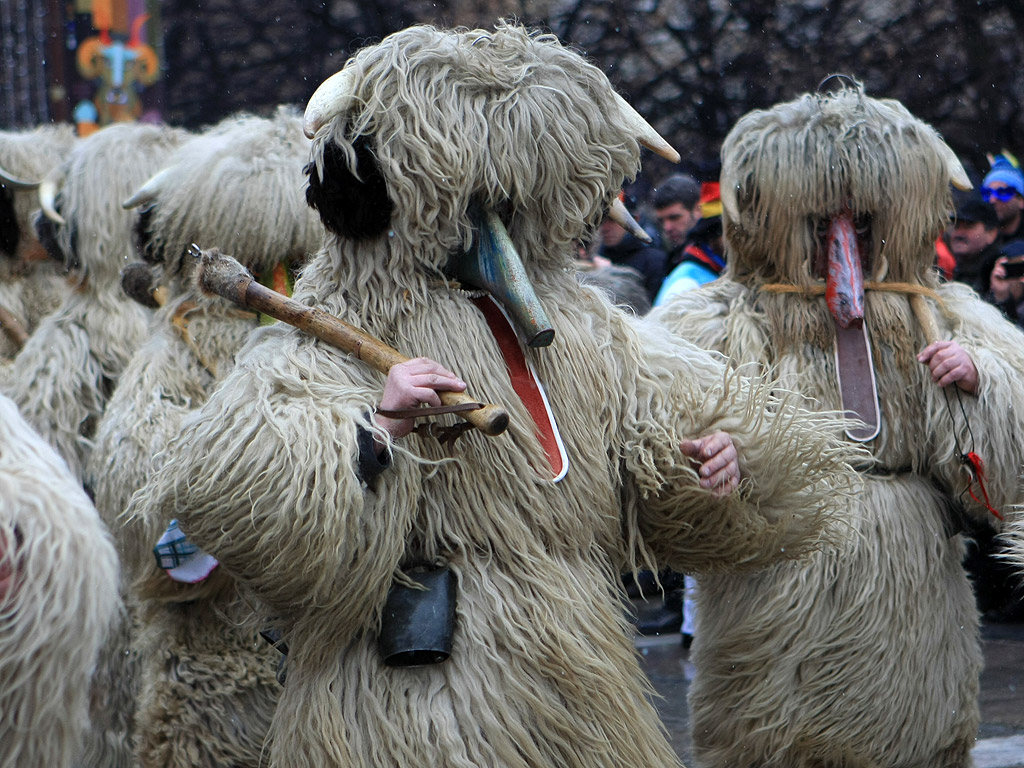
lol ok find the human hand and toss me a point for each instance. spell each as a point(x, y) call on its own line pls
point(1004, 287)
point(949, 364)
point(411, 384)
point(719, 468)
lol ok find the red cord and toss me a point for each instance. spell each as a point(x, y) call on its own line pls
point(978, 473)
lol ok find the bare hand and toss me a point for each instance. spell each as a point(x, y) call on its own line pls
point(411, 384)
point(950, 364)
point(719, 469)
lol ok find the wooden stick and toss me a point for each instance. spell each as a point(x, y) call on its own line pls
point(221, 274)
point(13, 328)
point(924, 316)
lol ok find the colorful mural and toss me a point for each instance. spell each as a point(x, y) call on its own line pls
point(116, 61)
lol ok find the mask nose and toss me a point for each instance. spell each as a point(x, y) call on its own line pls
point(844, 287)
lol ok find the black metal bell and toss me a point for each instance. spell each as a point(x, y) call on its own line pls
point(417, 625)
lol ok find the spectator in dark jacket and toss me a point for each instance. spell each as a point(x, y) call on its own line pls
point(623, 249)
point(972, 239)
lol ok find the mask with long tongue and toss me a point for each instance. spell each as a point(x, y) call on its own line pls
point(844, 294)
point(844, 289)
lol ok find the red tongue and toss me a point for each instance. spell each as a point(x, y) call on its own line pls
point(844, 288)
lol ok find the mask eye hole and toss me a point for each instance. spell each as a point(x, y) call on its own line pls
point(819, 268)
point(862, 223)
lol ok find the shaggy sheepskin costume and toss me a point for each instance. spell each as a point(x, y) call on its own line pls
point(63, 376)
point(31, 285)
point(58, 596)
point(867, 655)
point(426, 126)
point(208, 688)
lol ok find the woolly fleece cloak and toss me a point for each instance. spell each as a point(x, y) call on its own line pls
point(63, 376)
point(208, 681)
point(54, 618)
point(867, 654)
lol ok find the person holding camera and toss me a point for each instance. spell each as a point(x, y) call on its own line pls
point(1006, 282)
point(990, 266)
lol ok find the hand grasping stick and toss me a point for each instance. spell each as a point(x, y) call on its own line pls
point(221, 274)
point(948, 361)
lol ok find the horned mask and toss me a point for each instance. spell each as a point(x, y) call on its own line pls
point(830, 193)
point(447, 139)
point(827, 172)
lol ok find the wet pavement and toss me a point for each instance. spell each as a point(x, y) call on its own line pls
point(1000, 738)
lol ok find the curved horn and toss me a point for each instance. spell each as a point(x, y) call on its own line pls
point(148, 192)
point(328, 100)
point(645, 134)
point(7, 180)
point(727, 192)
point(617, 212)
point(48, 201)
point(957, 175)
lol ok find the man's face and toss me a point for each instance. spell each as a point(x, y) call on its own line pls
point(969, 238)
point(676, 221)
point(1006, 210)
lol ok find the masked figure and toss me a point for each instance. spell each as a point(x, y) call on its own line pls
point(454, 171)
point(867, 655)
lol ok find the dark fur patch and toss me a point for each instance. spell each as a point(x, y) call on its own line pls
point(349, 207)
point(46, 233)
point(138, 282)
point(142, 237)
point(10, 234)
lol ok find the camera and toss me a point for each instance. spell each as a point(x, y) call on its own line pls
point(1014, 268)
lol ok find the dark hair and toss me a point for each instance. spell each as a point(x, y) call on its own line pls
point(973, 209)
point(677, 188)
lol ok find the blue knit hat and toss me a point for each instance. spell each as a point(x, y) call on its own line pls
point(1005, 171)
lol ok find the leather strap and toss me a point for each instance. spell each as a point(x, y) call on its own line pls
point(428, 410)
point(526, 384)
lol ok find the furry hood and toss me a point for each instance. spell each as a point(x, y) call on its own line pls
point(439, 121)
point(239, 187)
point(99, 173)
point(785, 170)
